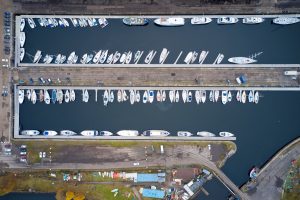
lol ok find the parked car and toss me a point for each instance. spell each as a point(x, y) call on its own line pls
point(23, 158)
point(23, 150)
point(7, 149)
point(42, 81)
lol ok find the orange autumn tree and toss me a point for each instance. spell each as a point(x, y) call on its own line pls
point(80, 196)
point(70, 195)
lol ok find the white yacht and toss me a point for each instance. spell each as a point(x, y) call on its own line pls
point(253, 20)
point(203, 96)
point(220, 58)
point(132, 97)
point(194, 57)
point(189, 57)
point(33, 96)
point(189, 97)
point(216, 93)
point(137, 96)
point(202, 56)
point(84, 58)
point(229, 96)
point(123, 57)
point(184, 95)
point(67, 96)
point(22, 38)
point(197, 96)
point(97, 57)
point(41, 95)
point(22, 24)
point(163, 55)
point(37, 56)
point(46, 97)
point(74, 22)
point(145, 96)
point(177, 97)
point(201, 20)
point(158, 96)
point(137, 55)
point(256, 97)
point(171, 95)
point(67, 133)
point(239, 96)
point(105, 97)
point(251, 96)
point(149, 57)
point(205, 134)
point(31, 22)
point(241, 60)
point(72, 95)
point(286, 20)
point(110, 58)
point(71, 57)
point(21, 96)
point(60, 96)
point(111, 96)
point(58, 59)
point(227, 20)
point(119, 96)
point(22, 54)
point(85, 96)
point(226, 134)
point(184, 134)
point(163, 95)
point(169, 21)
point(89, 133)
point(211, 96)
point(156, 133)
point(102, 22)
point(151, 96)
point(128, 133)
point(128, 57)
point(244, 97)
point(30, 132)
point(103, 56)
point(124, 95)
point(105, 133)
point(116, 57)
point(224, 96)
point(49, 133)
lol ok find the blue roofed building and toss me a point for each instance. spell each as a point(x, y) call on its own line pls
point(157, 194)
point(146, 178)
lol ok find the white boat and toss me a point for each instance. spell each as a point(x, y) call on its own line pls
point(197, 96)
point(128, 133)
point(31, 22)
point(22, 54)
point(137, 96)
point(116, 57)
point(105, 97)
point(145, 97)
point(67, 133)
point(200, 20)
point(244, 97)
point(202, 56)
point(97, 57)
point(105, 133)
point(132, 97)
point(137, 55)
point(171, 95)
point(216, 93)
point(124, 95)
point(102, 22)
point(110, 58)
point(239, 96)
point(72, 57)
point(226, 134)
point(256, 97)
point(177, 96)
point(151, 96)
point(65, 22)
point(103, 56)
point(41, 95)
point(251, 96)
point(211, 95)
point(67, 96)
point(149, 56)
point(224, 96)
point(241, 60)
point(84, 58)
point(123, 57)
point(227, 20)
point(229, 96)
point(184, 134)
point(74, 22)
point(37, 56)
point(286, 20)
point(194, 57)
point(22, 38)
point(163, 55)
point(49, 133)
point(188, 57)
point(158, 96)
point(156, 133)
point(72, 95)
point(46, 97)
point(89, 133)
point(85, 95)
point(163, 95)
point(119, 96)
point(220, 58)
point(21, 96)
point(205, 134)
point(189, 97)
point(48, 59)
point(203, 96)
point(111, 97)
point(184, 95)
point(128, 57)
point(253, 20)
point(30, 132)
point(22, 24)
point(60, 96)
point(169, 21)
point(33, 96)
point(58, 59)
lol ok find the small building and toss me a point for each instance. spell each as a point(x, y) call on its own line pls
point(184, 175)
point(157, 194)
point(151, 178)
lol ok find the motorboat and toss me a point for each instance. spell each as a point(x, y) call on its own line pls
point(253, 20)
point(105, 97)
point(227, 20)
point(28, 94)
point(123, 57)
point(163, 55)
point(201, 20)
point(244, 97)
point(67, 96)
point(22, 54)
point(85, 95)
point(116, 57)
point(21, 96)
point(286, 20)
point(220, 58)
point(46, 97)
point(97, 57)
point(171, 95)
point(197, 96)
point(62, 59)
point(184, 134)
point(124, 95)
point(67, 133)
point(205, 134)
point(110, 58)
point(74, 22)
point(65, 22)
point(251, 97)
point(149, 57)
point(31, 22)
point(151, 96)
point(84, 58)
point(203, 96)
point(145, 96)
point(224, 96)
point(158, 96)
point(33, 96)
point(22, 24)
point(137, 55)
point(229, 96)
point(89, 133)
point(238, 96)
point(89, 58)
point(137, 96)
point(211, 95)
point(53, 96)
point(163, 95)
point(132, 97)
point(49, 133)
point(189, 97)
point(59, 96)
point(216, 95)
point(189, 57)
point(128, 57)
point(111, 96)
point(105, 133)
point(30, 132)
point(102, 22)
point(37, 56)
point(22, 38)
point(48, 59)
point(135, 21)
point(241, 60)
point(103, 56)
point(256, 97)
point(169, 21)
point(226, 134)
point(119, 96)
point(58, 59)
point(177, 96)
point(184, 95)
point(128, 133)
point(202, 56)
point(194, 57)
point(156, 133)
point(71, 57)
point(41, 95)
